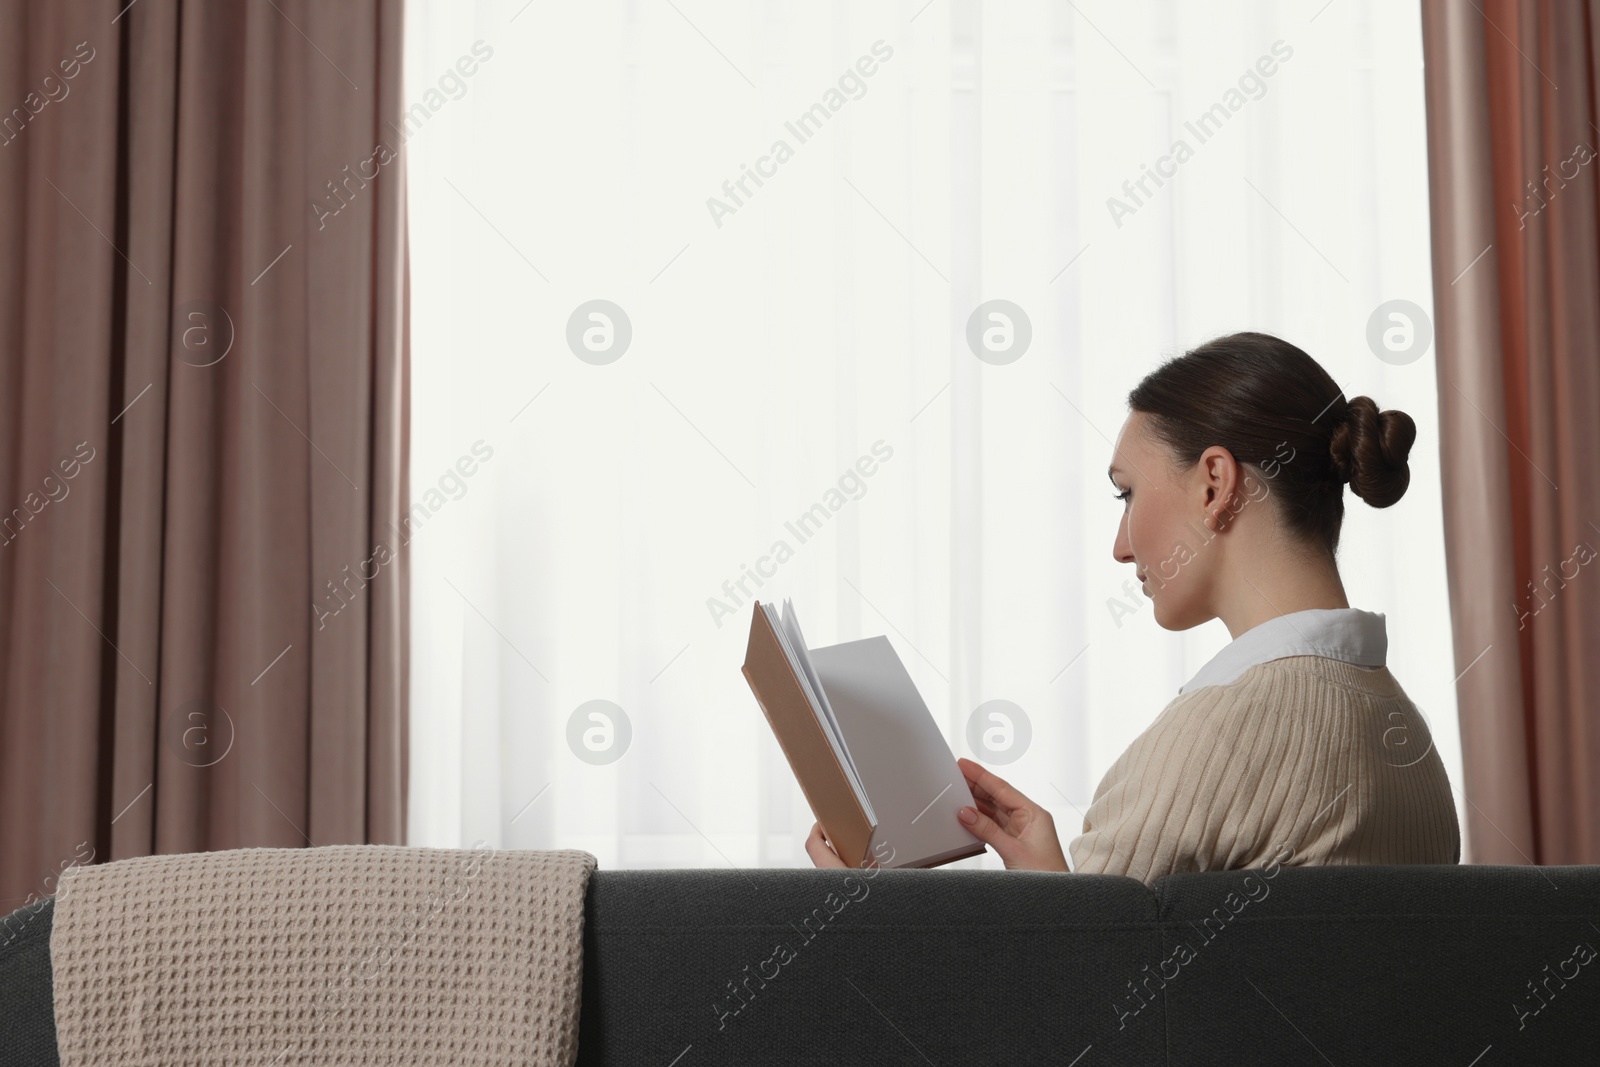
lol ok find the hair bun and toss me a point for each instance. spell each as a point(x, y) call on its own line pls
point(1369, 450)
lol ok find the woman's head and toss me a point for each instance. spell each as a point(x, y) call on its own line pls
point(1245, 433)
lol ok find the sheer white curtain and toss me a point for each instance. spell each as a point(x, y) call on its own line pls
point(799, 345)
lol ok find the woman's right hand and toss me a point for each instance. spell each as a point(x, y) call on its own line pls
point(1022, 832)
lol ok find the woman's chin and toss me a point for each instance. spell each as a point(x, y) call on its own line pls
point(1175, 617)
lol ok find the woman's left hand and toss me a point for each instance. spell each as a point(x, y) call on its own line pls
point(1021, 831)
point(821, 853)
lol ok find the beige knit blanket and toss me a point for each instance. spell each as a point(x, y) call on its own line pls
point(345, 954)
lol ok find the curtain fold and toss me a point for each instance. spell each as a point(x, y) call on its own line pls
point(203, 409)
point(1512, 159)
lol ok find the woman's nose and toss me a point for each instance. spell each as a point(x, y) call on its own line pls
point(1122, 547)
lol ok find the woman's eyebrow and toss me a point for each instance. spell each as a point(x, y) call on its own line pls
point(1112, 472)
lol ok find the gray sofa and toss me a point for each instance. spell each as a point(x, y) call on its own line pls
point(1473, 966)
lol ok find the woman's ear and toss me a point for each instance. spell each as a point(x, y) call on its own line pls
point(1219, 478)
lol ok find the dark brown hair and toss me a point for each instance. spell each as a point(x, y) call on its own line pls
point(1260, 397)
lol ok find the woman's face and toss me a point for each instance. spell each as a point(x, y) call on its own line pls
point(1163, 532)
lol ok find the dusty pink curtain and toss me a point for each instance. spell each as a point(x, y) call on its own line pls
point(203, 381)
point(1514, 162)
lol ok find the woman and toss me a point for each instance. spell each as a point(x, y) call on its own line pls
point(1294, 744)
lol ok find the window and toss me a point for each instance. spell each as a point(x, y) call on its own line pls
point(683, 272)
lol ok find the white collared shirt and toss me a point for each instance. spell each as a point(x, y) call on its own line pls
point(1346, 634)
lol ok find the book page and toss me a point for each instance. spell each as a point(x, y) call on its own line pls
point(901, 753)
point(792, 623)
point(799, 659)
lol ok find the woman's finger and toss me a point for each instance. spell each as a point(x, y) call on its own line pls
point(1001, 818)
point(972, 771)
point(998, 789)
point(980, 795)
point(986, 830)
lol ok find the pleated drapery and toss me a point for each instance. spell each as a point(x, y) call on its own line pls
point(203, 410)
point(1512, 112)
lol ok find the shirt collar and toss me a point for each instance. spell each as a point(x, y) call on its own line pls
point(1346, 634)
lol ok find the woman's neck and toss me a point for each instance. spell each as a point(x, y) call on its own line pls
point(1276, 584)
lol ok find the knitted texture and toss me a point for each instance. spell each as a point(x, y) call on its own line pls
point(1303, 760)
point(347, 954)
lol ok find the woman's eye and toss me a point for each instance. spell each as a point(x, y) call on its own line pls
point(1124, 495)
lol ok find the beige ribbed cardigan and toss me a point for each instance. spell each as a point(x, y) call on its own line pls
point(1304, 760)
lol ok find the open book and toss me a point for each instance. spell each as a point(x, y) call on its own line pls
point(869, 757)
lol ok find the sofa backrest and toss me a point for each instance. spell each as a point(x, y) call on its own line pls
point(1468, 965)
point(1302, 965)
point(27, 1019)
